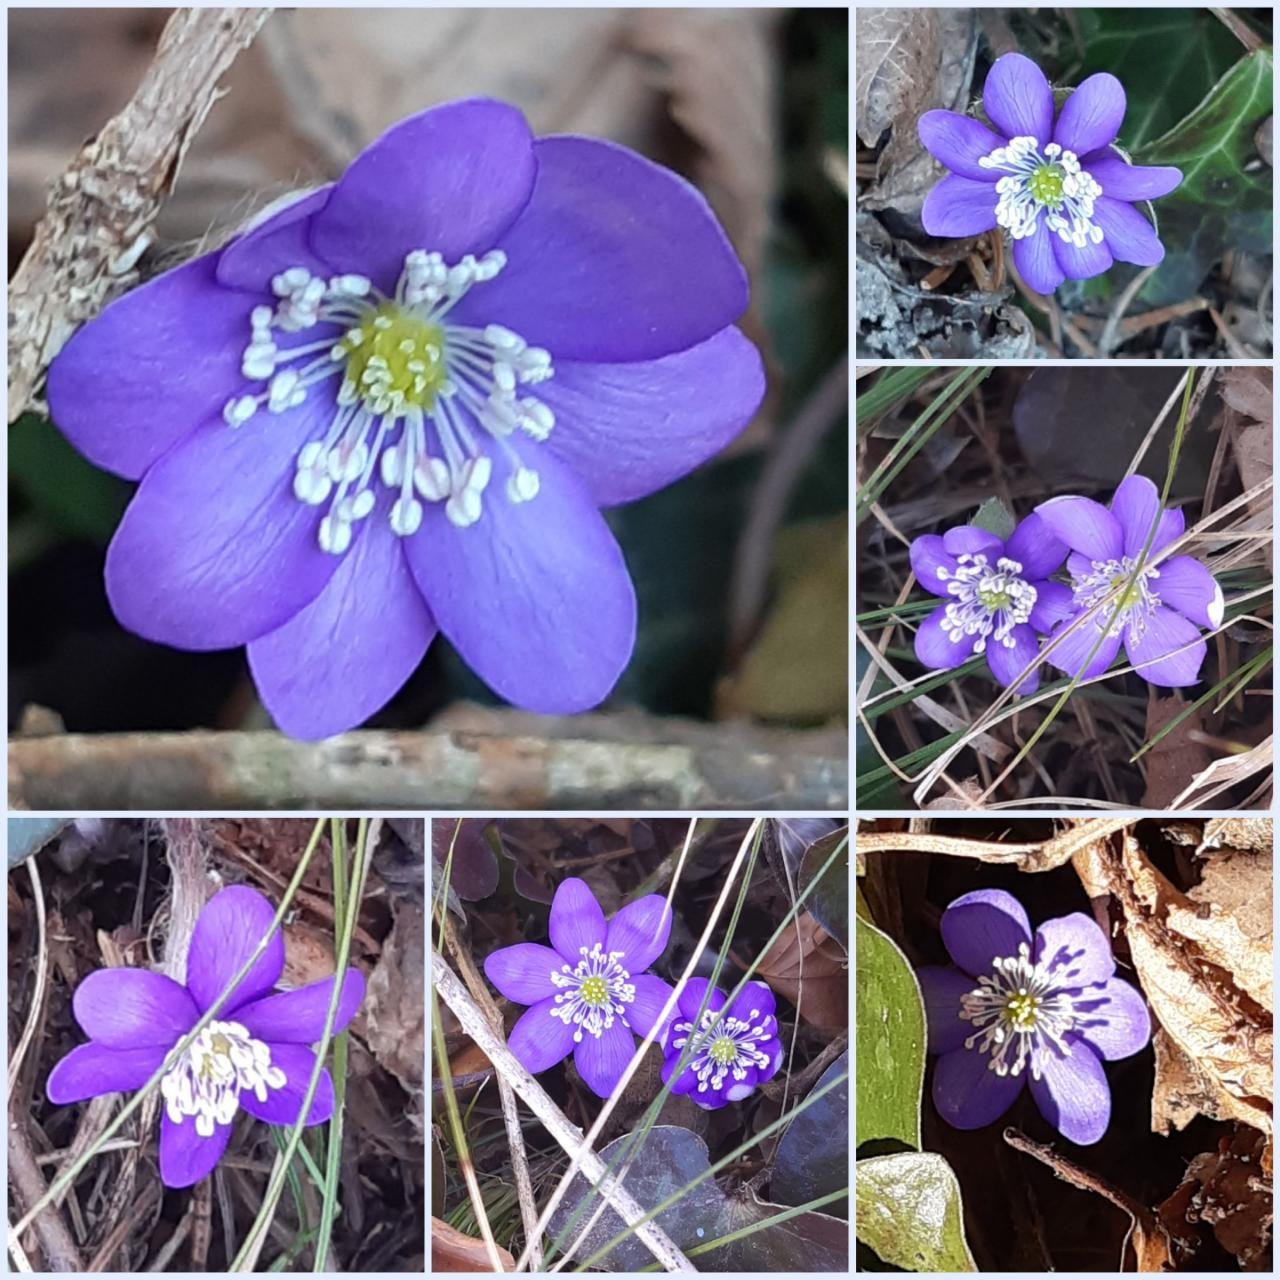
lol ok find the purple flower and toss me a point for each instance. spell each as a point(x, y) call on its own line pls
point(997, 593)
point(1159, 617)
point(588, 991)
point(1045, 1012)
point(1059, 187)
point(254, 1055)
point(399, 403)
point(734, 1049)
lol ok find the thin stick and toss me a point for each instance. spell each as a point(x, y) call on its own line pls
point(42, 965)
point(569, 1136)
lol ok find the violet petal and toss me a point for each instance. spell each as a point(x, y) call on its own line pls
point(186, 1157)
point(755, 997)
point(327, 669)
point(942, 987)
point(1186, 585)
point(1091, 116)
point(234, 921)
point(577, 921)
point(449, 180)
point(686, 1079)
point(982, 926)
point(613, 258)
point(1081, 262)
point(1136, 504)
point(297, 1017)
point(1130, 237)
point(214, 549)
point(1055, 602)
point(693, 995)
point(284, 1105)
point(1085, 526)
point(1018, 99)
point(602, 1059)
point(640, 931)
point(535, 595)
point(1036, 548)
point(1169, 652)
point(1072, 1092)
point(1071, 653)
point(934, 646)
point(628, 429)
point(131, 1008)
point(150, 368)
point(928, 555)
point(1008, 663)
point(90, 1070)
point(538, 1040)
point(273, 244)
point(1114, 1020)
point(958, 207)
point(959, 143)
point(1036, 261)
point(1075, 949)
point(651, 994)
point(967, 1093)
point(968, 539)
point(1123, 181)
point(522, 973)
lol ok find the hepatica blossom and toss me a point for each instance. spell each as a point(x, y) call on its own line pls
point(1043, 1011)
point(1159, 616)
point(254, 1055)
point(400, 402)
point(733, 1049)
point(588, 993)
point(1054, 181)
point(998, 596)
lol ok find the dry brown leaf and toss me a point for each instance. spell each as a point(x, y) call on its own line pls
point(1254, 835)
point(1223, 1032)
point(453, 1251)
point(1247, 390)
point(394, 1008)
point(1177, 758)
point(809, 967)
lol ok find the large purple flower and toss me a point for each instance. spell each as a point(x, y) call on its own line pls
point(1045, 1012)
point(587, 992)
point(997, 593)
point(1159, 616)
point(254, 1055)
point(734, 1049)
point(1058, 186)
point(399, 403)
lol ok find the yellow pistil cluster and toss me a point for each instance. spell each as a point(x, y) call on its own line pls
point(394, 359)
point(1046, 184)
point(724, 1050)
point(594, 991)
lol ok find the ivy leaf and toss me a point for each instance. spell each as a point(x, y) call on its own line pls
point(995, 517)
point(890, 1041)
point(907, 1208)
point(1224, 199)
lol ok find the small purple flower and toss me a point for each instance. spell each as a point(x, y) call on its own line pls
point(998, 596)
point(254, 1055)
point(587, 992)
point(398, 404)
point(1059, 187)
point(734, 1049)
point(1045, 1012)
point(1159, 617)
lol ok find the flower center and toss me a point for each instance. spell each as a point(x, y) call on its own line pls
point(990, 600)
point(722, 1047)
point(1019, 1015)
point(1107, 585)
point(1052, 184)
point(206, 1081)
point(593, 992)
point(420, 404)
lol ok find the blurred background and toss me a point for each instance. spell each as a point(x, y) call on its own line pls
point(740, 568)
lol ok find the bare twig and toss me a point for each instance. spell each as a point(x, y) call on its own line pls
point(1106, 343)
point(696, 767)
point(100, 211)
point(60, 1252)
point(569, 1136)
point(1037, 856)
point(1239, 28)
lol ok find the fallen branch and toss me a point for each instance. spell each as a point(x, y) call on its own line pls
point(99, 215)
point(569, 1136)
point(701, 767)
point(1042, 855)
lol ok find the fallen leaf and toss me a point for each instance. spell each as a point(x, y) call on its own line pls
point(452, 1251)
point(809, 967)
point(394, 1007)
point(1248, 391)
point(1177, 758)
point(1255, 835)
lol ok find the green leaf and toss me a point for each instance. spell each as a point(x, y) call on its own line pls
point(812, 1158)
point(1167, 60)
point(995, 517)
point(890, 1022)
point(1224, 199)
point(907, 1207)
point(78, 498)
point(829, 902)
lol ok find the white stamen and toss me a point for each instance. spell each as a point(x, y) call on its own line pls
point(1069, 215)
point(593, 993)
point(1103, 585)
point(990, 600)
point(207, 1080)
point(724, 1047)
